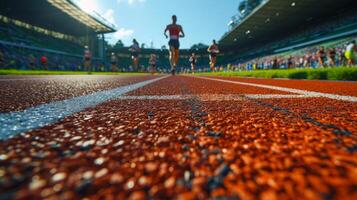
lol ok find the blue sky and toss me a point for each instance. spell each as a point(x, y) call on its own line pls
point(145, 20)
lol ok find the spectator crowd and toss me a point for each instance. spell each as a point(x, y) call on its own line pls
point(313, 57)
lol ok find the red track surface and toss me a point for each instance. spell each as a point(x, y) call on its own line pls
point(189, 85)
point(188, 149)
point(333, 87)
point(34, 90)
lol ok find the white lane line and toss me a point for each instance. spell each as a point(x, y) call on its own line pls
point(13, 123)
point(212, 97)
point(155, 97)
point(296, 91)
point(276, 96)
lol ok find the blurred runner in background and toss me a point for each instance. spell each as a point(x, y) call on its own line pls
point(213, 52)
point(87, 59)
point(135, 50)
point(44, 62)
point(350, 53)
point(193, 61)
point(114, 61)
point(152, 63)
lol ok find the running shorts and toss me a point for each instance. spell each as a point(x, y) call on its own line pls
point(174, 43)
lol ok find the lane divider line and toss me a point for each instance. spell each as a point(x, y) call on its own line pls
point(17, 122)
point(213, 97)
point(296, 91)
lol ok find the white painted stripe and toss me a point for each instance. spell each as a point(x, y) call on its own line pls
point(276, 96)
point(22, 121)
point(155, 97)
point(212, 97)
point(296, 91)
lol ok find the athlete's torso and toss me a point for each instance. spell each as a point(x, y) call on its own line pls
point(113, 59)
point(213, 48)
point(193, 59)
point(174, 30)
point(350, 47)
point(87, 54)
point(135, 47)
point(152, 59)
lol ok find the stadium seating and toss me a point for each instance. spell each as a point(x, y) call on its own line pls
point(340, 26)
point(16, 34)
point(20, 45)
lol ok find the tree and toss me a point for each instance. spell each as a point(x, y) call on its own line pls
point(163, 47)
point(107, 45)
point(199, 46)
point(118, 45)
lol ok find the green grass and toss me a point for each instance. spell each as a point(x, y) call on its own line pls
point(338, 73)
point(45, 72)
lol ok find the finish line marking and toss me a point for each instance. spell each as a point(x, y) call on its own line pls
point(213, 97)
point(17, 122)
point(296, 91)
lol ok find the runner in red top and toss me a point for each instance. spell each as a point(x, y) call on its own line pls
point(175, 30)
point(44, 62)
point(213, 52)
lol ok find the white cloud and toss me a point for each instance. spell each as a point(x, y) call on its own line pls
point(87, 5)
point(131, 2)
point(123, 33)
point(109, 15)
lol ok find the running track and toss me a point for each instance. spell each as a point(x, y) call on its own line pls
point(182, 137)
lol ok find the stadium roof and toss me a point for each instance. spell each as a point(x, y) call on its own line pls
point(58, 15)
point(276, 17)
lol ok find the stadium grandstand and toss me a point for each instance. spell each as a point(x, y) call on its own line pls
point(31, 30)
point(275, 27)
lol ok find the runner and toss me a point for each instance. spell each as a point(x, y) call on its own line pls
point(213, 50)
point(350, 53)
point(290, 62)
point(44, 62)
point(176, 32)
point(152, 63)
point(114, 60)
point(193, 61)
point(87, 59)
point(135, 50)
point(332, 57)
point(321, 57)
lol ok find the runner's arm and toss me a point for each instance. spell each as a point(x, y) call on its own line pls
point(167, 28)
point(209, 49)
point(183, 33)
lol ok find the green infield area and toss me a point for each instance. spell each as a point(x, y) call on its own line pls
point(45, 72)
point(338, 73)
